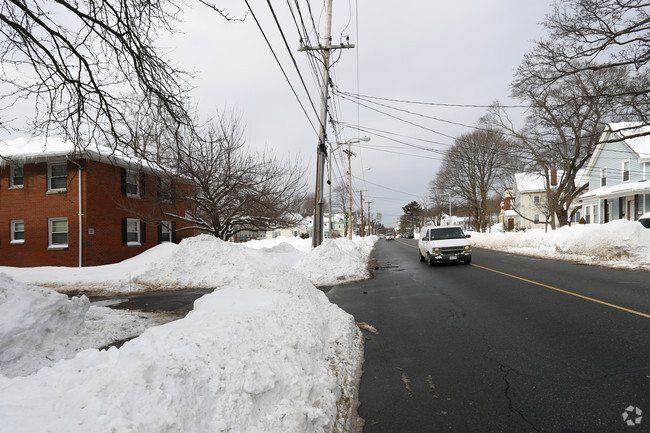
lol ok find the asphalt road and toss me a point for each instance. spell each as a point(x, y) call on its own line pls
point(506, 344)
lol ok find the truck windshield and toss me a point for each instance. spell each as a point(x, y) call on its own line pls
point(447, 233)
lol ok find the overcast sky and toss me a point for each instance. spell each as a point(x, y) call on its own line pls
point(441, 52)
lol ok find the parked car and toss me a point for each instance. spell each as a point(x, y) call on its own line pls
point(645, 220)
point(444, 244)
point(390, 237)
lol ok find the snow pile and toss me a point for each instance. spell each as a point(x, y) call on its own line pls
point(620, 243)
point(113, 278)
point(351, 261)
point(207, 262)
point(266, 352)
point(39, 327)
point(35, 321)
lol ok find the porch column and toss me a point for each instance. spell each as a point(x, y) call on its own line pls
point(605, 212)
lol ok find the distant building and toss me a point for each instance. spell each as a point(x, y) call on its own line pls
point(64, 207)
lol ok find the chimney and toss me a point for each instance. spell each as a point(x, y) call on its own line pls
point(553, 177)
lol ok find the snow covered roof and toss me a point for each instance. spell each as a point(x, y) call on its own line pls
point(529, 182)
point(535, 182)
point(639, 145)
point(34, 149)
point(622, 189)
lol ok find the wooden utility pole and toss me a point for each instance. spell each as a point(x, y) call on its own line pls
point(326, 49)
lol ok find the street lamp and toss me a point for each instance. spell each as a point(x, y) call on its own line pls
point(349, 152)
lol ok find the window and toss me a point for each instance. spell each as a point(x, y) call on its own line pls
point(166, 189)
point(132, 231)
point(17, 231)
point(536, 217)
point(165, 231)
point(58, 232)
point(603, 176)
point(595, 213)
point(57, 176)
point(626, 170)
point(16, 177)
point(536, 199)
point(132, 184)
point(588, 214)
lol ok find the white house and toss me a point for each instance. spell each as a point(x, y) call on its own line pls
point(529, 208)
point(619, 175)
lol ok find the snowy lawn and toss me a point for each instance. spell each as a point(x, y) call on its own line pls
point(619, 244)
point(265, 352)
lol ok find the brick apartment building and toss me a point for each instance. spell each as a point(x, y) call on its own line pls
point(61, 207)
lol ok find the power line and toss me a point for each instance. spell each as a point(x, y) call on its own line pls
point(282, 68)
point(435, 104)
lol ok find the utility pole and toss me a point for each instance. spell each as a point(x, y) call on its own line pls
point(321, 151)
point(329, 182)
point(369, 219)
point(349, 152)
point(363, 227)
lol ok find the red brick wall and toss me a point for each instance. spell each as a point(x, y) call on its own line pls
point(103, 210)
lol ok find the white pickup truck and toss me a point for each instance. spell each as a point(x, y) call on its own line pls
point(444, 244)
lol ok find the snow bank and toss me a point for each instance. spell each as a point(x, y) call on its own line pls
point(207, 262)
point(39, 327)
point(113, 278)
point(267, 352)
point(620, 243)
point(35, 320)
point(350, 259)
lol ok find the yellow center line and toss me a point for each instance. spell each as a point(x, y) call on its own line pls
point(638, 313)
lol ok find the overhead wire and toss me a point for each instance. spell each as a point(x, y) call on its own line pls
point(259, 26)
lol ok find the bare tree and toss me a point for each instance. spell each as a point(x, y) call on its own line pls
point(562, 127)
point(80, 63)
point(235, 190)
point(470, 169)
point(340, 203)
point(598, 35)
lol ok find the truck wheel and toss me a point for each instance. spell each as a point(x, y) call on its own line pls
point(420, 255)
point(468, 261)
point(430, 260)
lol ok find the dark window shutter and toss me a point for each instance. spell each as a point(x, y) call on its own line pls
point(142, 185)
point(123, 231)
point(143, 232)
point(123, 180)
point(160, 233)
point(174, 231)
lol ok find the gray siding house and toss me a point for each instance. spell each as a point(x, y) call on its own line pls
point(619, 175)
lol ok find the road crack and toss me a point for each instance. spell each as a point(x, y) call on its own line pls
point(506, 394)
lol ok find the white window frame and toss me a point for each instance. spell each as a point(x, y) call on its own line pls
point(536, 218)
point(603, 176)
point(49, 176)
point(50, 233)
point(14, 231)
point(536, 199)
point(136, 176)
point(595, 214)
point(12, 176)
point(623, 171)
point(166, 225)
point(139, 238)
